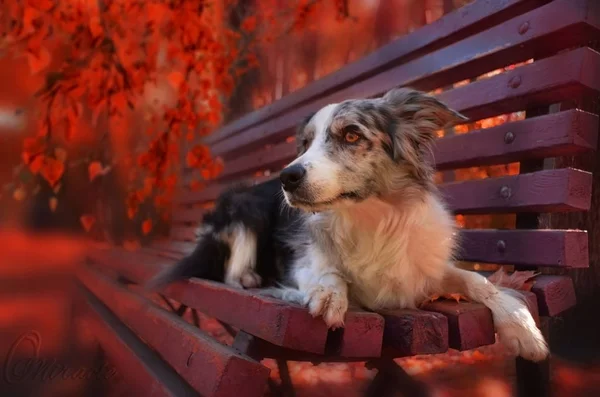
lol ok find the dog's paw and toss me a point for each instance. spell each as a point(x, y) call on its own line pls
point(248, 279)
point(329, 302)
point(523, 338)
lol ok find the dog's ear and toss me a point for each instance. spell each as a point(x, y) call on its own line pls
point(301, 134)
point(419, 115)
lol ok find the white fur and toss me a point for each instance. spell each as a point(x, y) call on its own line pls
point(241, 265)
point(395, 253)
point(389, 251)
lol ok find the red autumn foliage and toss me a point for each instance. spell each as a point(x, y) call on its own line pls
point(109, 63)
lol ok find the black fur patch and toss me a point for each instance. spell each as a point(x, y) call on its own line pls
point(258, 208)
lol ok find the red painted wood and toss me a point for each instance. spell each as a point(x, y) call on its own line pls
point(140, 377)
point(555, 79)
point(269, 319)
point(553, 248)
point(209, 367)
point(559, 134)
point(557, 190)
point(362, 335)
point(558, 78)
point(470, 325)
point(466, 21)
point(555, 294)
point(183, 233)
point(186, 215)
point(411, 332)
point(560, 24)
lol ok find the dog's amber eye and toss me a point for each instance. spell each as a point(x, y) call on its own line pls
point(351, 137)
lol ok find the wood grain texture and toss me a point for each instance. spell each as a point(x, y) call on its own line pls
point(270, 319)
point(410, 332)
point(146, 374)
point(564, 76)
point(551, 27)
point(211, 368)
point(559, 190)
point(470, 325)
point(552, 248)
point(566, 133)
point(555, 294)
point(469, 19)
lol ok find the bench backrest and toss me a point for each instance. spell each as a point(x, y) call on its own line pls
point(548, 39)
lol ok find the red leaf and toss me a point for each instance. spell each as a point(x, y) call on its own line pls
point(38, 62)
point(52, 170)
point(94, 169)
point(515, 280)
point(87, 221)
point(147, 226)
point(175, 79)
point(36, 164)
point(96, 28)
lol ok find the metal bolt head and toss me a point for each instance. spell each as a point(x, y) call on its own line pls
point(509, 137)
point(524, 28)
point(505, 192)
point(514, 82)
point(501, 246)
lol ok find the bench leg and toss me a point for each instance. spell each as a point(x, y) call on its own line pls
point(392, 380)
point(533, 379)
point(287, 387)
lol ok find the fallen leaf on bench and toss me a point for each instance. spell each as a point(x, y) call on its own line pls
point(456, 297)
point(516, 280)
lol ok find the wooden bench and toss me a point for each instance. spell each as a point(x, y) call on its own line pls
point(162, 354)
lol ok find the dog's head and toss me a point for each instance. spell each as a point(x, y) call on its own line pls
point(362, 148)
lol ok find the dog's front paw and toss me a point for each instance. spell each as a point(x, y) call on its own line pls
point(329, 302)
point(523, 338)
point(248, 279)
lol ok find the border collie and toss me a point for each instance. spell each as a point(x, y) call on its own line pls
point(354, 219)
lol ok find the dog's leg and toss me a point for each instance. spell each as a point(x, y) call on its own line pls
point(324, 288)
point(513, 321)
point(241, 265)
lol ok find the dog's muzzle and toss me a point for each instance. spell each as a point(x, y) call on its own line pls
point(292, 177)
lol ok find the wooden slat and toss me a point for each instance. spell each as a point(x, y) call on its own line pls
point(454, 26)
point(553, 248)
point(410, 332)
point(560, 24)
point(209, 367)
point(470, 325)
point(144, 372)
point(558, 78)
point(563, 77)
point(183, 233)
point(270, 319)
point(557, 190)
point(555, 294)
point(566, 133)
point(560, 134)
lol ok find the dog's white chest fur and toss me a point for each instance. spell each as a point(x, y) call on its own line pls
point(393, 255)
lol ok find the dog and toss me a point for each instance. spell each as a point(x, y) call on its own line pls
point(354, 219)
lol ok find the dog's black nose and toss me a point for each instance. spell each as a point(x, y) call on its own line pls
point(292, 176)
